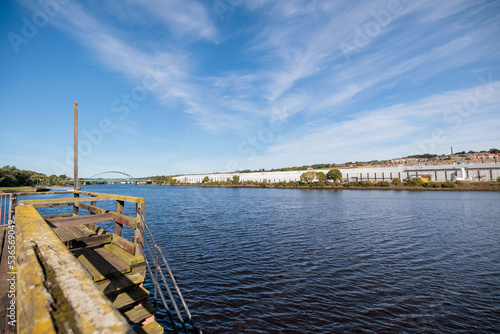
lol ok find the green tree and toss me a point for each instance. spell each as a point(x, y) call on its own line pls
point(236, 179)
point(321, 176)
point(205, 179)
point(494, 150)
point(52, 179)
point(335, 175)
point(308, 177)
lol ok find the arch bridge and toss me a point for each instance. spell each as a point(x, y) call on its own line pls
point(111, 172)
point(100, 178)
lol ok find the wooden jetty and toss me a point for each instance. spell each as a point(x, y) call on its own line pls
point(73, 276)
point(66, 274)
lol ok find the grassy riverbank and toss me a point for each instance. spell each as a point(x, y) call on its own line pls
point(361, 185)
point(11, 189)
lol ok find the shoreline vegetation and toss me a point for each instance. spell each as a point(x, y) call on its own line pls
point(415, 184)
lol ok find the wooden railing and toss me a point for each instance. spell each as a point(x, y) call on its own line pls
point(88, 201)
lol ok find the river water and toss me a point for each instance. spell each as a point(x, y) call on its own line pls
point(330, 261)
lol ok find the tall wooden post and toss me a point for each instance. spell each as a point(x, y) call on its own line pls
point(75, 163)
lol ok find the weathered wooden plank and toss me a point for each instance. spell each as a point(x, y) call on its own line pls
point(64, 215)
point(114, 197)
point(125, 220)
point(52, 202)
point(126, 257)
point(91, 241)
point(92, 208)
point(79, 233)
point(86, 230)
point(113, 260)
point(140, 313)
point(65, 234)
point(52, 205)
point(81, 220)
point(42, 193)
point(151, 328)
point(97, 267)
point(76, 232)
point(125, 244)
point(114, 285)
point(130, 297)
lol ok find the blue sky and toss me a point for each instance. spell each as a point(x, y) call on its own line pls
point(186, 86)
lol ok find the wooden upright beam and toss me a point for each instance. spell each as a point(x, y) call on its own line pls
point(120, 208)
point(138, 240)
point(75, 152)
point(75, 130)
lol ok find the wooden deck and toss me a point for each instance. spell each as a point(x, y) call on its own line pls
point(117, 273)
point(115, 264)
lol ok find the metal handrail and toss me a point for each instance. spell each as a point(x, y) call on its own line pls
point(5, 208)
point(158, 290)
point(157, 285)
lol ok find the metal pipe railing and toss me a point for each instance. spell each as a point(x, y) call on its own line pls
point(5, 208)
point(157, 285)
point(159, 270)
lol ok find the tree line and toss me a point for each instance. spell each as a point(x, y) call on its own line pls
point(10, 176)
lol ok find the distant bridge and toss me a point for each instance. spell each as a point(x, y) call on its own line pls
point(98, 178)
point(112, 172)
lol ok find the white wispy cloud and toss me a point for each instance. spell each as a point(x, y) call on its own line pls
point(182, 17)
point(402, 126)
point(298, 40)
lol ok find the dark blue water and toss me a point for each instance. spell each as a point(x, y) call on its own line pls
point(325, 261)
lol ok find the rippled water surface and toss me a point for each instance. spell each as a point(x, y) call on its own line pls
point(325, 261)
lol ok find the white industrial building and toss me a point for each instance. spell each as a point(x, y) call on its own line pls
point(473, 172)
